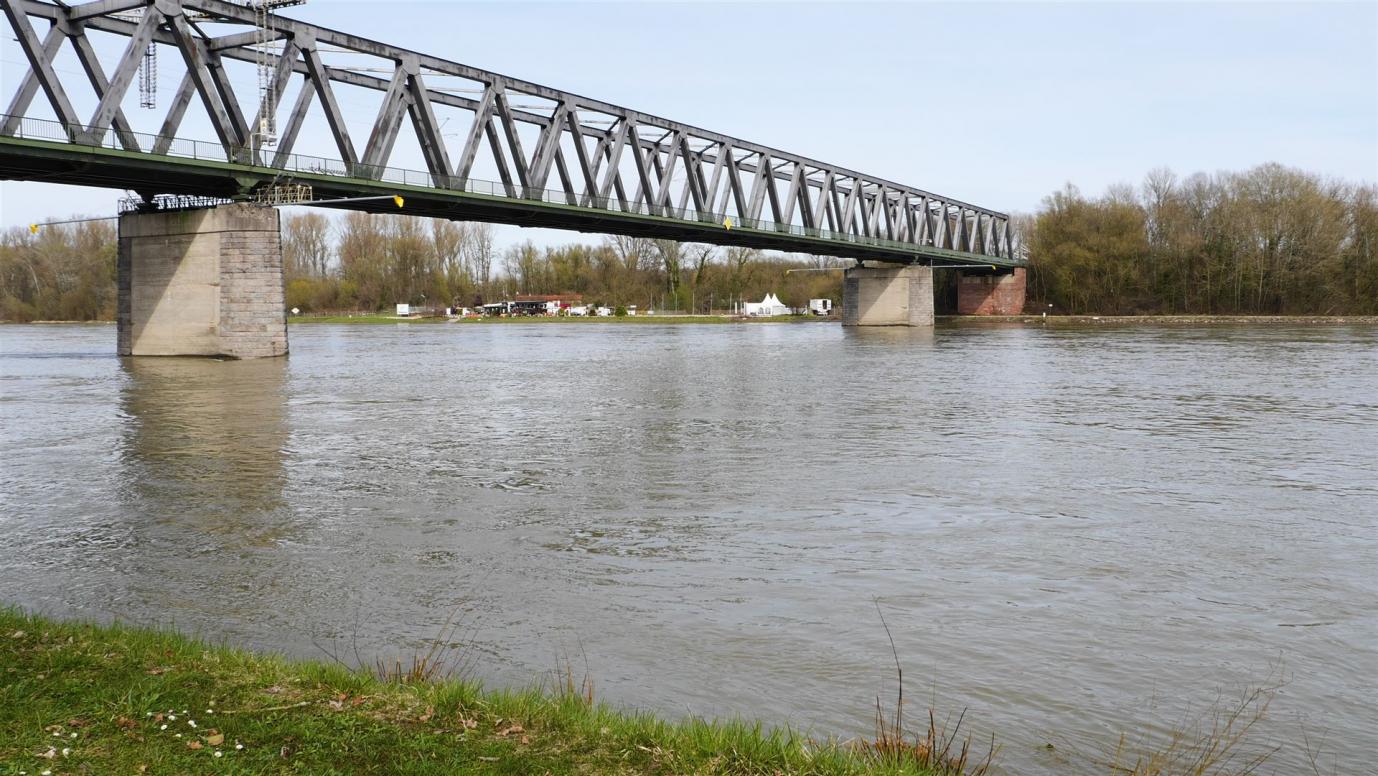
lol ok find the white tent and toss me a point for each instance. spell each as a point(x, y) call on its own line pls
point(765, 308)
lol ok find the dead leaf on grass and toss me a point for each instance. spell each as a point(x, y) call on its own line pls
point(216, 739)
point(430, 712)
point(194, 745)
point(126, 723)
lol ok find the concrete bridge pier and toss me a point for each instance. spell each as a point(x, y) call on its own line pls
point(202, 282)
point(888, 296)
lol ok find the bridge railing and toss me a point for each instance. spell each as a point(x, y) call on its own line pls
point(185, 148)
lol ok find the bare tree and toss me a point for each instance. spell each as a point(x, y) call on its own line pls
point(478, 252)
point(363, 259)
point(524, 265)
point(739, 260)
point(448, 241)
point(702, 256)
point(636, 253)
point(671, 254)
point(306, 249)
point(411, 258)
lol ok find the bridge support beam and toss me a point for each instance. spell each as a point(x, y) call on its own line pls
point(888, 296)
point(999, 292)
point(201, 283)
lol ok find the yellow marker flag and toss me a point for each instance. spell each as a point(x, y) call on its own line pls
point(33, 228)
point(727, 222)
point(398, 200)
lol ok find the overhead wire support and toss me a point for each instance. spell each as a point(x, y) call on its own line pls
point(148, 63)
point(266, 57)
point(148, 77)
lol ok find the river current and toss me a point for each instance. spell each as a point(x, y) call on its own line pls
point(1073, 533)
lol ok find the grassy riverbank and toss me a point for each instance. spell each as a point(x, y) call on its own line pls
point(78, 698)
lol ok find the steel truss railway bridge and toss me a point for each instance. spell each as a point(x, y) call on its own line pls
point(487, 147)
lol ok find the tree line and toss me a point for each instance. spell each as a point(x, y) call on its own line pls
point(1270, 240)
point(369, 262)
point(64, 272)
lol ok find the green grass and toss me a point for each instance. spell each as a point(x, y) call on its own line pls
point(632, 319)
point(82, 698)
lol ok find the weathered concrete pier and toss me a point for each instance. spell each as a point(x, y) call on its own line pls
point(888, 296)
point(204, 282)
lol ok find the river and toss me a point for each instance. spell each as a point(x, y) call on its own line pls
point(1072, 532)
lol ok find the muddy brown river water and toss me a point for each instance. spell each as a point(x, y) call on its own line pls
point(1074, 532)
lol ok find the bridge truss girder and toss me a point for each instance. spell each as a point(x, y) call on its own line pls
point(574, 150)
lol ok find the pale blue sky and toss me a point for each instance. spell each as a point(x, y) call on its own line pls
point(996, 104)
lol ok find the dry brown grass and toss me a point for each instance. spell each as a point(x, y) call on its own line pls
point(1217, 743)
point(566, 687)
point(442, 659)
point(938, 750)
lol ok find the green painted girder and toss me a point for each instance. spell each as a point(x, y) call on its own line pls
point(82, 165)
